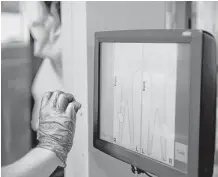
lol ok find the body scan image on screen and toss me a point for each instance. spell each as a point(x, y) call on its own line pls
point(138, 87)
point(155, 100)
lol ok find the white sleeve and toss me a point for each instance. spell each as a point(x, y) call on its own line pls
point(34, 11)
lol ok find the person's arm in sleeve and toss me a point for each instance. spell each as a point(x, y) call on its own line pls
point(55, 134)
point(38, 162)
point(44, 24)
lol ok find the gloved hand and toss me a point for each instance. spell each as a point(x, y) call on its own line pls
point(57, 123)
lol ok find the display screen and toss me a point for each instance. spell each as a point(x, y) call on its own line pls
point(141, 107)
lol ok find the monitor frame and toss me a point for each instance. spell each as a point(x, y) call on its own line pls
point(197, 80)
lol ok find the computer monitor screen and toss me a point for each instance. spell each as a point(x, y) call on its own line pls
point(144, 99)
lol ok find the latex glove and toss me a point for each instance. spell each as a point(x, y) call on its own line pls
point(57, 123)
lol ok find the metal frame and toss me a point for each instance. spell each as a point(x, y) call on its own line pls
point(194, 38)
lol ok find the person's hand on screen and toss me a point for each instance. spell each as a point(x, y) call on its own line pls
point(57, 122)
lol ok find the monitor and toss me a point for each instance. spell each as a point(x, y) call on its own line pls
point(155, 100)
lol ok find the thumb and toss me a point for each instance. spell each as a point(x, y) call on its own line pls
point(72, 108)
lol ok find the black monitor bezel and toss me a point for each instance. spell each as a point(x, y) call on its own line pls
point(195, 39)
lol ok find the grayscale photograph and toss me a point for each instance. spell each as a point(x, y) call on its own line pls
point(109, 88)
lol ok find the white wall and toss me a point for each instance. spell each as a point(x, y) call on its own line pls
point(80, 21)
point(75, 81)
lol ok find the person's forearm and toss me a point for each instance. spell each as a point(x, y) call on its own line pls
point(55, 133)
point(38, 162)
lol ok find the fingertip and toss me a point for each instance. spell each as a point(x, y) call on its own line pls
point(54, 97)
point(79, 105)
point(45, 98)
point(62, 102)
point(70, 109)
point(73, 108)
point(47, 95)
point(70, 97)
